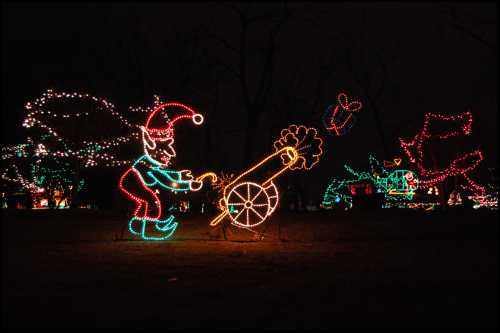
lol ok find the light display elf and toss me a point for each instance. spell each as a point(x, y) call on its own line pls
point(149, 175)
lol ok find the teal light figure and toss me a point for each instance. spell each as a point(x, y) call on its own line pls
point(397, 185)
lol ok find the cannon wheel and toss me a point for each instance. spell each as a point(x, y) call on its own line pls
point(249, 204)
point(272, 193)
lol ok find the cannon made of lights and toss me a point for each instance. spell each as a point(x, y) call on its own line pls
point(249, 199)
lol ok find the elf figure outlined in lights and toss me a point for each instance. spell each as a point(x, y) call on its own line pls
point(149, 175)
point(339, 119)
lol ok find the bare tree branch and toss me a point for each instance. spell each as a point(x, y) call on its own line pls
point(227, 67)
point(383, 66)
point(232, 7)
point(326, 69)
point(475, 36)
point(224, 42)
point(260, 18)
point(455, 23)
point(243, 63)
point(268, 69)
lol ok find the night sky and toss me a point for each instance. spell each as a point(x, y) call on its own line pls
point(437, 57)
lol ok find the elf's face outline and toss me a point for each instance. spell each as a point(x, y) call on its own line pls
point(158, 145)
point(159, 148)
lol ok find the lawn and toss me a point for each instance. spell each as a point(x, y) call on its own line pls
point(357, 270)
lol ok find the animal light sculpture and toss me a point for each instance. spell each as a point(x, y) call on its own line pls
point(396, 185)
point(250, 198)
point(461, 166)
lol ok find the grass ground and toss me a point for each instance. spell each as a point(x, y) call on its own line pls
point(357, 270)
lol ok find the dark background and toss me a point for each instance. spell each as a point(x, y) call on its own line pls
point(359, 269)
point(401, 60)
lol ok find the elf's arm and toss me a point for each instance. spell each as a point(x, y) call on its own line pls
point(172, 179)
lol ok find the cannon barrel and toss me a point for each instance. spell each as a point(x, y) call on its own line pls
point(290, 151)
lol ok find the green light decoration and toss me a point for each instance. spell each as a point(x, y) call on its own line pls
point(21, 152)
point(428, 206)
point(48, 124)
point(335, 191)
point(167, 227)
point(232, 210)
point(30, 168)
point(156, 175)
point(398, 185)
point(55, 174)
point(153, 177)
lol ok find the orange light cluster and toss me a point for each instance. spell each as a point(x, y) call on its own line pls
point(247, 201)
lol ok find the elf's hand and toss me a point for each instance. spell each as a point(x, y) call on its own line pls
point(186, 175)
point(195, 185)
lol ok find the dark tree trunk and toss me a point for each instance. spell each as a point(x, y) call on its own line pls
point(74, 198)
point(380, 128)
point(208, 138)
point(251, 130)
point(441, 187)
point(50, 197)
